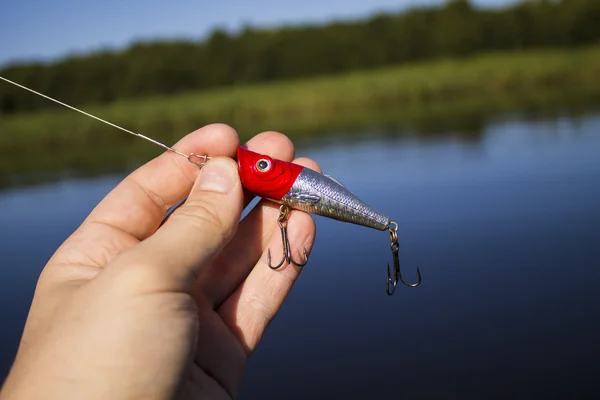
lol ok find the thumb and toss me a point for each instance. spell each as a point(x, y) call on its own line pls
point(199, 229)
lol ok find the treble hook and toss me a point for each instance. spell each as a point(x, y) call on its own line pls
point(284, 212)
point(393, 229)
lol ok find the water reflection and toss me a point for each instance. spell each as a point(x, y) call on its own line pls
point(504, 229)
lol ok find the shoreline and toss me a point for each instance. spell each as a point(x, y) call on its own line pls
point(427, 98)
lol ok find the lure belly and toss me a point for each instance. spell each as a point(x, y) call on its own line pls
point(303, 189)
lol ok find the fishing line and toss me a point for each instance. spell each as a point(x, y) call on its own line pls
point(156, 142)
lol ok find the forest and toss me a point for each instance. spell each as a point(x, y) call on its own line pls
point(257, 55)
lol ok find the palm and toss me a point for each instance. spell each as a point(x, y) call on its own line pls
point(219, 360)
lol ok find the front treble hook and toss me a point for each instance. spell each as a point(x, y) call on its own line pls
point(393, 229)
point(284, 212)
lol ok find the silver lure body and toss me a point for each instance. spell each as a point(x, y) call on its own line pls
point(318, 194)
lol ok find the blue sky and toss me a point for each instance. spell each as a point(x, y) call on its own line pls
point(46, 29)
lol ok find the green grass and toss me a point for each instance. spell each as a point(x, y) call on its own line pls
point(430, 97)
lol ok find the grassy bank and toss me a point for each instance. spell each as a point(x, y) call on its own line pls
point(433, 96)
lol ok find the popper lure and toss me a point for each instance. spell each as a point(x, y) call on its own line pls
point(294, 187)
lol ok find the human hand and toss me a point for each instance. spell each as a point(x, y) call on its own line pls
point(129, 308)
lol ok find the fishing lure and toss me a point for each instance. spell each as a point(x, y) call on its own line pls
point(293, 187)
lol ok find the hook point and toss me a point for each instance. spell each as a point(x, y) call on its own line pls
point(269, 261)
point(287, 254)
point(393, 229)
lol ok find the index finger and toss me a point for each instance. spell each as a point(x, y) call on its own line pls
point(139, 203)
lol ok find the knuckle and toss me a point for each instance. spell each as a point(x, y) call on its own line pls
point(258, 305)
point(153, 197)
point(138, 276)
point(203, 215)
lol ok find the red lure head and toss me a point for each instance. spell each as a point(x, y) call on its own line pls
point(264, 176)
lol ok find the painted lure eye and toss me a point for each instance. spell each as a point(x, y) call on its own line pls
point(263, 165)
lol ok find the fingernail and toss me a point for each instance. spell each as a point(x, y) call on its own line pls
point(217, 176)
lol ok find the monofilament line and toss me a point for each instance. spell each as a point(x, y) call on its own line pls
point(164, 146)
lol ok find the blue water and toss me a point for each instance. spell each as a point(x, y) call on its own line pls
point(505, 229)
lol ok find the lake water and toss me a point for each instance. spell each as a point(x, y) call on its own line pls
point(505, 229)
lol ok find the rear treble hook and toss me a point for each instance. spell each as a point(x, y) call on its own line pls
point(284, 212)
point(393, 229)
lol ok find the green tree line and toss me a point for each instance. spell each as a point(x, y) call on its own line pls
point(253, 55)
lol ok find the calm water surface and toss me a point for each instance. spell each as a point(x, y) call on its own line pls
point(505, 229)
